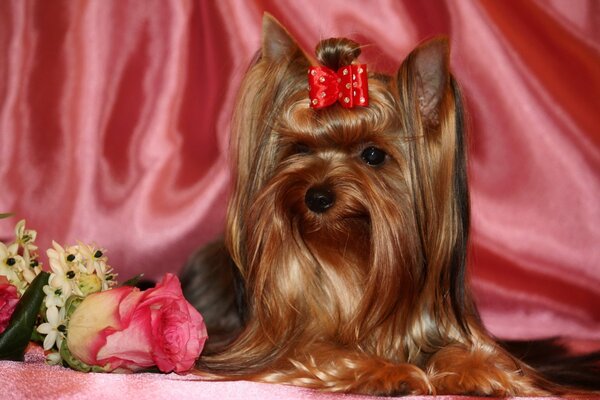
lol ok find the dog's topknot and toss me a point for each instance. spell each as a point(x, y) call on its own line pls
point(337, 52)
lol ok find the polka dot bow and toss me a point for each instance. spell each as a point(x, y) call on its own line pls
point(349, 86)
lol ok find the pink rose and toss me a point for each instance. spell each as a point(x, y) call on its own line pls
point(131, 329)
point(9, 297)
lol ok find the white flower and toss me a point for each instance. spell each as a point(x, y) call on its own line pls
point(63, 275)
point(7, 262)
point(88, 257)
point(96, 263)
point(74, 258)
point(28, 274)
point(53, 358)
point(56, 296)
point(12, 265)
point(56, 255)
point(106, 275)
point(25, 238)
point(54, 329)
point(18, 260)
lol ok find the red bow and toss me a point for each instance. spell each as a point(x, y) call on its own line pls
point(349, 86)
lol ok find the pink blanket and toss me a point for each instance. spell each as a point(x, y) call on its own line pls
point(35, 380)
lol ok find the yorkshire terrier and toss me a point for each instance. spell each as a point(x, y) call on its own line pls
point(343, 266)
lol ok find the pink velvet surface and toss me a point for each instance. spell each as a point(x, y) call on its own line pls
point(114, 119)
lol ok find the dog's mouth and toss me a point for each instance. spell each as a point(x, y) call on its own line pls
point(335, 228)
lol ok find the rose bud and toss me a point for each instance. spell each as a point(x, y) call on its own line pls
point(89, 283)
point(129, 329)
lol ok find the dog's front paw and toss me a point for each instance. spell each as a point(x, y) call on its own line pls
point(394, 379)
point(473, 382)
point(483, 372)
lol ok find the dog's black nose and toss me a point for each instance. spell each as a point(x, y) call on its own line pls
point(319, 199)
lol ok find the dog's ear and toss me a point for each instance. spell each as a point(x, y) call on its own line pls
point(432, 112)
point(428, 71)
point(276, 40)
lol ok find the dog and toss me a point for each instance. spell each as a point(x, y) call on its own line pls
point(343, 266)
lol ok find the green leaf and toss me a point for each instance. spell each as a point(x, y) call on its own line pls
point(133, 281)
point(36, 336)
point(14, 340)
point(5, 215)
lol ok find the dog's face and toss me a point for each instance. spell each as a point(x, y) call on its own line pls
point(344, 222)
point(330, 210)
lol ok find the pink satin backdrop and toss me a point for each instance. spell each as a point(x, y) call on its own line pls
point(114, 119)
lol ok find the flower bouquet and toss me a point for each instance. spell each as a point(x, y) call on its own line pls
point(84, 319)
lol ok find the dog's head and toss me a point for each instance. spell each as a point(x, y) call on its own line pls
point(345, 222)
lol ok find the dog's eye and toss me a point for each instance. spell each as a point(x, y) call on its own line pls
point(373, 156)
point(301, 148)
